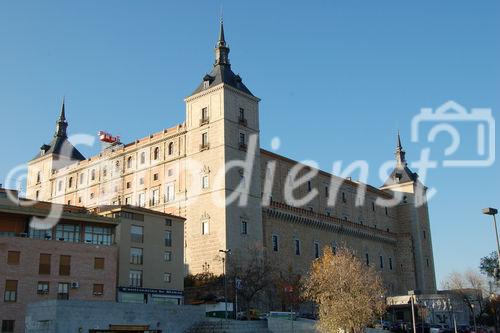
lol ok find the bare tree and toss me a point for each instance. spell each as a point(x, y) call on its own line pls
point(348, 293)
point(470, 287)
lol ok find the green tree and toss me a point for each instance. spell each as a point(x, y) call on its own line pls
point(488, 264)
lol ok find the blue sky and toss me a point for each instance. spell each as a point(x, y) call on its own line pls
point(336, 79)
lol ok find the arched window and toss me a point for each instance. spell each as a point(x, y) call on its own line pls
point(70, 182)
point(170, 148)
point(143, 157)
point(129, 162)
point(156, 153)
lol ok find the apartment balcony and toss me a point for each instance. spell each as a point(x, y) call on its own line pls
point(242, 146)
point(204, 121)
point(204, 146)
point(242, 121)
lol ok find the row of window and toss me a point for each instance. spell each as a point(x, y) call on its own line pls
point(44, 263)
point(205, 227)
point(43, 288)
point(136, 278)
point(73, 233)
point(137, 256)
point(205, 116)
point(317, 251)
point(137, 234)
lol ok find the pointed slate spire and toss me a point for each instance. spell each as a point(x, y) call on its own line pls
point(221, 51)
point(400, 153)
point(61, 124)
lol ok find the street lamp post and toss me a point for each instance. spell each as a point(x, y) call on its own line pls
point(494, 211)
point(224, 259)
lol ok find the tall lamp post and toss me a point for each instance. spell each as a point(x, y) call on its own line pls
point(224, 259)
point(494, 212)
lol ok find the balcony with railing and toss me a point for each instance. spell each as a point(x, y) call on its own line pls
point(204, 146)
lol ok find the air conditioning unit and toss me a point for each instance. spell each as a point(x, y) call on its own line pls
point(75, 285)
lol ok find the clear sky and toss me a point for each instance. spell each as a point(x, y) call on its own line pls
point(336, 79)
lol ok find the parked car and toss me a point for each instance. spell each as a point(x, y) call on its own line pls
point(439, 328)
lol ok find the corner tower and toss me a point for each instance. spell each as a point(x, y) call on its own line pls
point(53, 156)
point(416, 259)
point(222, 117)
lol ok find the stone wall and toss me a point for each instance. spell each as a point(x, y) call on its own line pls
point(80, 316)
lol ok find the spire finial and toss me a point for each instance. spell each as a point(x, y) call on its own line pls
point(221, 50)
point(61, 124)
point(62, 117)
point(400, 153)
point(399, 146)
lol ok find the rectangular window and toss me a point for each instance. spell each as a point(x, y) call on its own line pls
point(44, 264)
point(309, 186)
point(168, 222)
point(128, 185)
point(136, 234)
point(68, 233)
point(98, 263)
point(275, 243)
point(344, 197)
point(142, 200)
point(425, 236)
point(156, 176)
point(381, 262)
point(127, 201)
point(242, 139)
point(297, 247)
point(316, 250)
point(13, 257)
point(42, 288)
point(136, 256)
point(204, 140)
point(98, 289)
point(167, 256)
point(205, 228)
point(427, 261)
point(386, 211)
point(170, 193)
point(170, 172)
point(98, 235)
point(367, 258)
point(168, 238)
point(244, 227)
point(204, 115)
point(8, 326)
point(390, 264)
point(64, 265)
point(204, 182)
point(155, 197)
point(327, 191)
point(63, 290)
point(135, 278)
point(167, 277)
point(241, 115)
point(373, 206)
point(10, 294)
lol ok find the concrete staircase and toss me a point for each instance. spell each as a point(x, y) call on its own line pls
point(216, 325)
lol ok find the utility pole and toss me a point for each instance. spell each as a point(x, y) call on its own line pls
point(224, 259)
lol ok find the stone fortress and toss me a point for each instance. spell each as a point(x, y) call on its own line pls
point(175, 171)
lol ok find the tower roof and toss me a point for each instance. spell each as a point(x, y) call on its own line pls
point(60, 144)
point(221, 72)
point(401, 173)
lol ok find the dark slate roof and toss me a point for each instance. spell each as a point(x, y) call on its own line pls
point(62, 147)
point(223, 74)
point(401, 174)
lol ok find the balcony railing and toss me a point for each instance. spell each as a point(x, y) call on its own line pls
point(242, 146)
point(204, 146)
point(242, 121)
point(204, 121)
